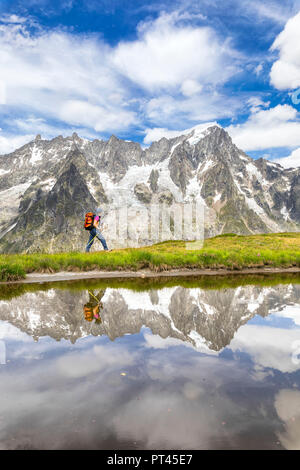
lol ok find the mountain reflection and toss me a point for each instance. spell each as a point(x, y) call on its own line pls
point(92, 308)
point(204, 318)
point(198, 368)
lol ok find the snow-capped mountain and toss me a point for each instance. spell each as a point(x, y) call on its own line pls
point(206, 319)
point(47, 185)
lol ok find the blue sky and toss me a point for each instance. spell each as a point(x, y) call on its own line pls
point(143, 70)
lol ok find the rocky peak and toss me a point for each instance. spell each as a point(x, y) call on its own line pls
point(76, 157)
point(54, 217)
point(158, 150)
point(270, 171)
point(113, 140)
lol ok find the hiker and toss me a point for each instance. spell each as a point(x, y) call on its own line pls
point(92, 223)
point(92, 308)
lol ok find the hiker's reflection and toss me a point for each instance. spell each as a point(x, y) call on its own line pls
point(93, 307)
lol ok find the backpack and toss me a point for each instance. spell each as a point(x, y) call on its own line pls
point(89, 220)
point(88, 313)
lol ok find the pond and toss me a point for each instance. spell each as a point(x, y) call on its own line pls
point(174, 364)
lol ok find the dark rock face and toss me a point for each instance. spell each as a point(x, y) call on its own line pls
point(157, 151)
point(153, 179)
point(218, 179)
point(47, 186)
point(166, 197)
point(294, 201)
point(54, 216)
point(87, 172)
point(114, 156)
point(143, 193)
point(180, 168)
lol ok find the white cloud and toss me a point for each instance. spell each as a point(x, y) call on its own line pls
point(157, 133)
point(259, 69)
point(56, 74)
point(256, 104)
point(9, 331)
point(287, 405)
point(157, 342)
point(14, 19)
point(77, 397)
point(291, 312)
point(274, 11)
point(33, 125)
point(167, 54)
point(79, 80)
point(100, 118)
point(191, 87)
point(10, 143)
point(292, 161)
point(285, 72)
point(268, 128)
point(28, 128)
point(207, 106)
point(76, 365)
point(267, 346)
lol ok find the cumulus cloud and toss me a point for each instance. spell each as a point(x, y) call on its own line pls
point(157, 133)
point(191, 87)
point(100, 118)
point(268, 128)
point(285, 72)
point(29, 127)
point(291, 312)
point(167, 54)
point(79, 365)
point(292, 161)
point(11, 142)
point(186, 425)
point(9, 331)
point(256, 104)
point(172, 72)
point(268, 347)
point(12, 19)
point(34, 125)
point(287, 405)
point(60, 75)
point(157, 342)
point(76, 397)
point(207, 106)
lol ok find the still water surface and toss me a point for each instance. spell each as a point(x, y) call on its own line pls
point(162, 367)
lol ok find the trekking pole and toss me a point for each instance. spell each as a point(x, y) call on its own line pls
point(93, 296)
point(92, 240)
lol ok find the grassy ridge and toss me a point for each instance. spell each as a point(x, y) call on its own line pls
point(226, 251)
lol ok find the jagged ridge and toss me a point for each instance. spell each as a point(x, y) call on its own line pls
point(240, 194)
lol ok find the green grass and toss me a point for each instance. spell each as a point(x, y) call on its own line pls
point(228, 251)
point(9, 291)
